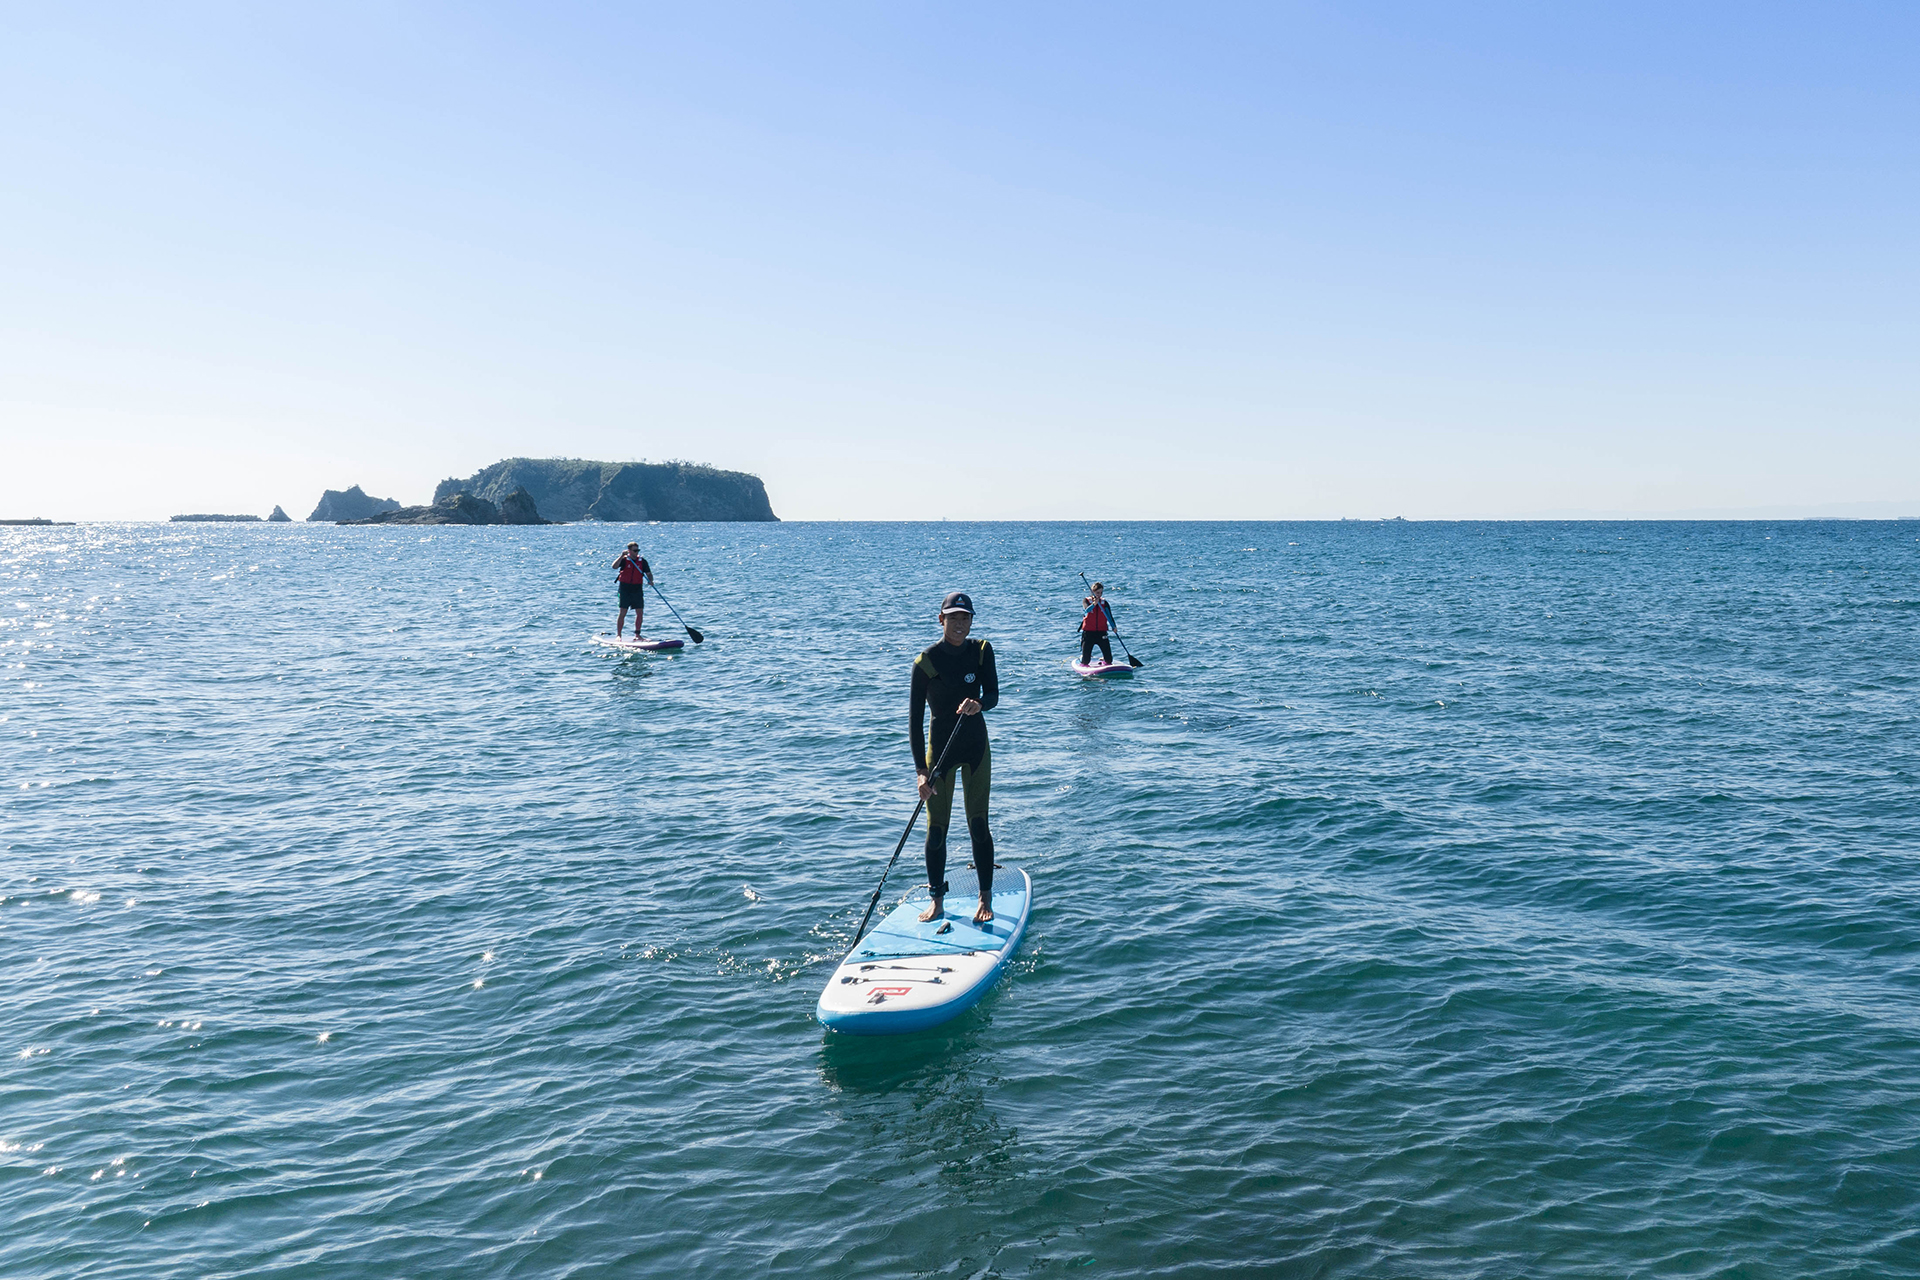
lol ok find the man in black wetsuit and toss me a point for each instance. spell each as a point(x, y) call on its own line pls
point(956, 677)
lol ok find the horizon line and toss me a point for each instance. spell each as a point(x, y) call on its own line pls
point(38, 522)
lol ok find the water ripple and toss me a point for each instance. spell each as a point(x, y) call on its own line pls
point(1439, 900)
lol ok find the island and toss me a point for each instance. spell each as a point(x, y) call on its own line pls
point(463, 508)
point(279, 516)
point(210, 519)
point(36, 520)
point(342, 505)
point(578, 489)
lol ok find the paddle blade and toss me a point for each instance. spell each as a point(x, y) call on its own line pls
point(697, 637)
point(1135, 661)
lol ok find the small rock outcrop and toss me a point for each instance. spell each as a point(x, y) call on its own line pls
point(207, 519)
point(344, 505)
point(578, 489)
point(279, 516)
point(463, 508)
point(517, 508)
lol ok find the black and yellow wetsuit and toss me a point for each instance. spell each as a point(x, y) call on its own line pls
point(944, 676)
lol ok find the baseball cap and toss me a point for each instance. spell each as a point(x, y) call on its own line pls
point(956, 602)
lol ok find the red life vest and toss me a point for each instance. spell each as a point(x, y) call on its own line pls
point(1096, 619)
point(633, 569)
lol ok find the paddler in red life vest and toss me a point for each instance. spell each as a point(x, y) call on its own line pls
point(954, 678)
point(633, 571)
point(1095, 625)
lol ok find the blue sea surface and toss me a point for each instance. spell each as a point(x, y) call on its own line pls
point(1439, 900)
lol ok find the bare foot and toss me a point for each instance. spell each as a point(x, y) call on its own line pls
point(984, 915)
point(933, 912)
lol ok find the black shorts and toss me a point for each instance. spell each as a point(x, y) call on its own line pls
point(632, 595)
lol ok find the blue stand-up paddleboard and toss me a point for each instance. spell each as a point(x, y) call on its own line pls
point(640, 646)
point(906, 975)
point(1103, 668)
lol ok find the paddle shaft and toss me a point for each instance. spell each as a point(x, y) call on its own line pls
point(1116, 633)
point(695, 635)
point(938, 768)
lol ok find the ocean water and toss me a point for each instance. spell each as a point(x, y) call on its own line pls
point(1440, 900)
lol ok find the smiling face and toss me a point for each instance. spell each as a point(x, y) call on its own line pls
point(956, 625)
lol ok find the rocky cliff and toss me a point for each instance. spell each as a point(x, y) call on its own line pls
point(279, 516)
point(577, 489)
point(341, 506)
point(463, 508)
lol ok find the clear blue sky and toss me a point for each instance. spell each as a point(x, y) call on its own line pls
point(908, 260)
